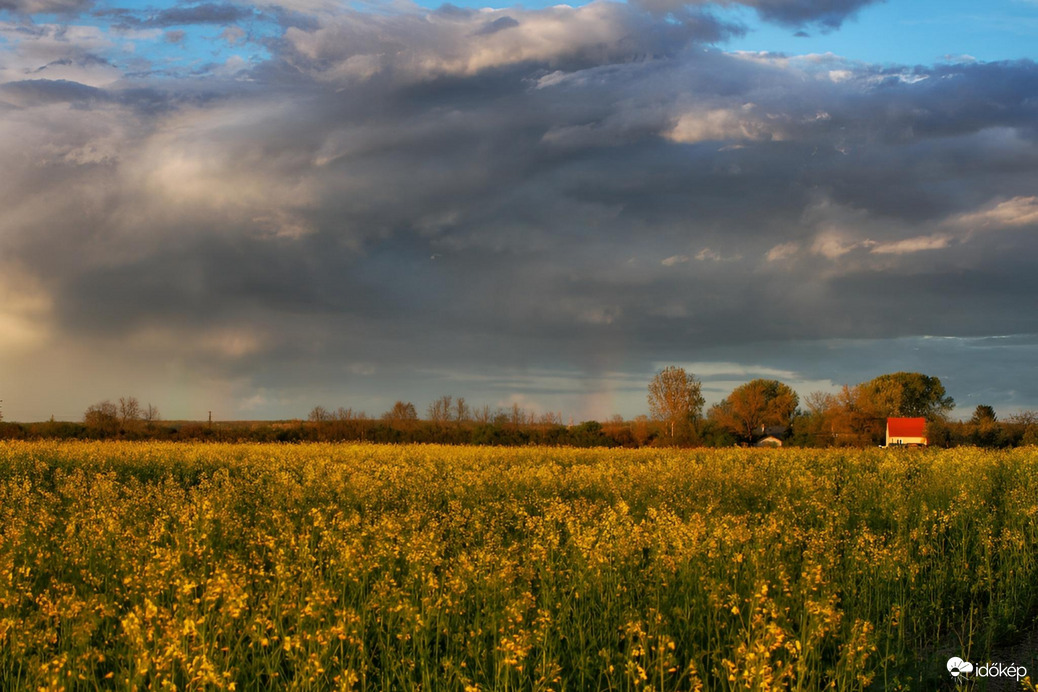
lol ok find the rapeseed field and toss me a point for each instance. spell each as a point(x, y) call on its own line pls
point(336, 567)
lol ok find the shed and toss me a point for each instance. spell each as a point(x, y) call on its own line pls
point(906, 431)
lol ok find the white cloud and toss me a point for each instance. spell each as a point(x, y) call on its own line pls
point(675, 259)
point(717, 369)
point(834, 244)
point(420, 45)
point(722, 124)
point(551, 79)
point(708, 255)
point(782, 251)
point(56, 52)
point(201, 164)
point(1015, 212)
point(911, 245)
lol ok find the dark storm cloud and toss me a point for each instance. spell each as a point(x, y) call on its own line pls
point(61, 7)
point(414, 47)
point(584, 189)
point(81, 59)
point(829, 14)
point(220, 14)
point(202, 13)
point(207, 12)
point(141, 101)
point(499, 24)
point(36, 92)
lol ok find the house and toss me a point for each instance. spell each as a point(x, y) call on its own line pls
point(906, 431)
point(771, 435)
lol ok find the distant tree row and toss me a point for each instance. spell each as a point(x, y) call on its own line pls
point(753, 412)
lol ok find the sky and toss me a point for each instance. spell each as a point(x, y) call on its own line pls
point(256, 208)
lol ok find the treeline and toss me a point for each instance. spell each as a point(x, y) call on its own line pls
point(497, 432)
point(805, 431)
point(759, 412)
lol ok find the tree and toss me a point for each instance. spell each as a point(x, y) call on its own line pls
point(984, 429)
point(550, 418)
point(906, 394)
point(817, 425)
point(347, 414)
point(983, 414)
point(675, 399)
point(517, 416)
point(129, 410)
point(400, 413)
point(440, 410)
point(857, 418)
point(641, 430)
point(484, 415)
point(462, 412)
point(753, 406)
point(103, 417)
point(319, 414)
point(151, 414)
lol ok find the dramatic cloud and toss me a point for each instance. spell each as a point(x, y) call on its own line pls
point(910, 245)
point(351, 46)
point(27, 7)
point(183, 15)
point(545, 204)
point(829, 14)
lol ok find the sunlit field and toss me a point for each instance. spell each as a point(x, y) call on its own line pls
point(161, 565)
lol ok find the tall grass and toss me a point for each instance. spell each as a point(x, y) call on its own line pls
point(137, 565)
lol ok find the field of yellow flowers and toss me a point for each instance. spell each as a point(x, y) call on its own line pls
point(324, 566)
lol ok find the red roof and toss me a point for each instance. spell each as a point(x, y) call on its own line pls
point(906, 427)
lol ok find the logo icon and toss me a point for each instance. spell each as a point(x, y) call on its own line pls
point(957, 667)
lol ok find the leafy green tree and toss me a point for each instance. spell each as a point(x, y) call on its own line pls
point(983, 414)
point(906, 394)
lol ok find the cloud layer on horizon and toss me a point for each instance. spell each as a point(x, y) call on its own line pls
point(593, 190)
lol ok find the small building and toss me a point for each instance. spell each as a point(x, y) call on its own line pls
point(906, 431)
point(771, 436)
